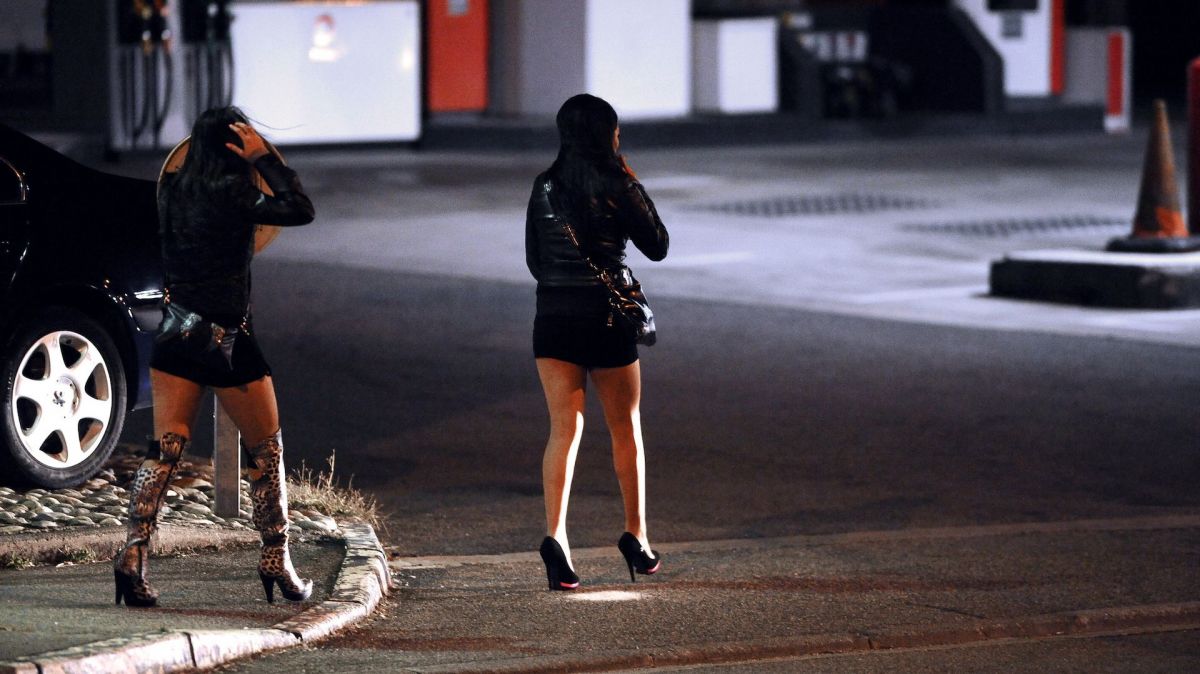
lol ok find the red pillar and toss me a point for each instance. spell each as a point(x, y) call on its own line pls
point(1193, 178)
point(1058, 47)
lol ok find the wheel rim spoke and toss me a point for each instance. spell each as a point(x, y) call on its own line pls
point(72, 450)
point(36, 436)
point(94, 408)
point(37, 390)
point(55, 366)
point(82, 369)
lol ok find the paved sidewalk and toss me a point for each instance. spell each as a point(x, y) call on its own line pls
point(211, 608)
point(883, 593)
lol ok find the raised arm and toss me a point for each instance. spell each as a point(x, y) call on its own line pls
point(289, 206)
point(642, 223)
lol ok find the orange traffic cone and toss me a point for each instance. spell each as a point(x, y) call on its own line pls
point(1158, 224)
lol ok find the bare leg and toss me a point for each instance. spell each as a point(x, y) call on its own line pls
point(176, 401)
point(252, 408)
point(620, 391)
point(564, 384)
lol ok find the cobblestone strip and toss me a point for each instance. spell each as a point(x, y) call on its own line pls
point(361, 583)
point(103, 501)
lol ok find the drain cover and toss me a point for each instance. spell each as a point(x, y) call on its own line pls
point(1005, 227)
point(817, 204)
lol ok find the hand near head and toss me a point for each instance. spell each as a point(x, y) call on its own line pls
point(625, 166)
point(253, 146)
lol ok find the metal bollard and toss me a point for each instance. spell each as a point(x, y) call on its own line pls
point(1193, 178)
point(227, 463)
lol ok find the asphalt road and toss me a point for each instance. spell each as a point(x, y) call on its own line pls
point(758, 422)
point(815, 373)
point(775, 403)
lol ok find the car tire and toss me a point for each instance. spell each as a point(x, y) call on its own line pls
point(64, 399)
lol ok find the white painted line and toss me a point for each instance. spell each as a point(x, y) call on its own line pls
point(706, 259)
point(680, 181)
point(1160, 316)
point(1153, 260)
point(1140, 326)
point(909, 294)
point(606, 595)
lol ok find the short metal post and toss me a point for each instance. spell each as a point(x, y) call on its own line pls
point(227, 463)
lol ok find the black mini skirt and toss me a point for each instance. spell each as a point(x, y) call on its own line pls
point(587, 341)
point(248, 362)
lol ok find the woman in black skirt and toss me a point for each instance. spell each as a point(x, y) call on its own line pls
point(208, 213)
point(574, 336)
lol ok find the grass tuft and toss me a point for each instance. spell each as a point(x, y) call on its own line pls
point(74, 556)
point(12, 561)
point(317, 490)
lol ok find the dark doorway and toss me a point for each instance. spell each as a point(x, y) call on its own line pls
point(1166, 37)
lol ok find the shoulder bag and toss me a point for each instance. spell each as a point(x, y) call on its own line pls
point(627, 305)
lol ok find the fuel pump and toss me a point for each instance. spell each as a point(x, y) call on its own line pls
point(209, 53)
point(146, 68)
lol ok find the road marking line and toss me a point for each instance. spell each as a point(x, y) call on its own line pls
point(706, 259)
point(910, 294)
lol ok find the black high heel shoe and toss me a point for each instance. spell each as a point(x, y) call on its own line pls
point(133, 589)
point(636, 557)
point(558, 573)
point(291, 591)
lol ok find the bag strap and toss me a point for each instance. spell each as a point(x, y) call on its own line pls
point(601, 274)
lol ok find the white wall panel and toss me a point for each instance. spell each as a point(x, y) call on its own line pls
point(735, 65)
point(327, 72)
point(634, 53)
point(639, 56)
point(1026, 58)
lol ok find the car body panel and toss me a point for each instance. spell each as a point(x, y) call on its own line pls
point(90, 241)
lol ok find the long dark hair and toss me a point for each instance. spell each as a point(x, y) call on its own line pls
point(209, 163)
point(587, 168)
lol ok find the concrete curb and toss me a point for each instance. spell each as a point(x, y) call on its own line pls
point(45, 546)
point(1084, 623)
point(361, 583)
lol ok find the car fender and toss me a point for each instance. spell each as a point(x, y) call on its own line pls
point(130, 322)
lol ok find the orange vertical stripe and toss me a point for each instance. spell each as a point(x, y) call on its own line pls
point(457, 57)
point(1058, 47)
point(1116, 73)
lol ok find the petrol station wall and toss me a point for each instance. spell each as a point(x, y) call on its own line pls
point(1023, 40)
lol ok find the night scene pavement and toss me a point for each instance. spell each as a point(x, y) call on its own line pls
point(832, 372)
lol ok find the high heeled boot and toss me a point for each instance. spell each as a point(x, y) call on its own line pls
point(145, 500)
point(268, 494)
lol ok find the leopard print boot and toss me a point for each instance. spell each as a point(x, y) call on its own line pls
point(145, 499)
point(268, 493)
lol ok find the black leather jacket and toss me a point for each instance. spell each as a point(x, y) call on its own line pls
point(555, 262)
point(208, 241)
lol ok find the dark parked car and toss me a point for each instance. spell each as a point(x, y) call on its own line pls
point(80, 282)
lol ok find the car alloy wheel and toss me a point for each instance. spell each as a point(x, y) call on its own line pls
point(65, 398)
point(62, 401)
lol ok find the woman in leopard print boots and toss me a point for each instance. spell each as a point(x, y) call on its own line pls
point(208, 214)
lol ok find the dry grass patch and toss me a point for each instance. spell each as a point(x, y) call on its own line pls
point(318, 490)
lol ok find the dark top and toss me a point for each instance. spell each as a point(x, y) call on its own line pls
point(566, 285)
point(208, 239)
